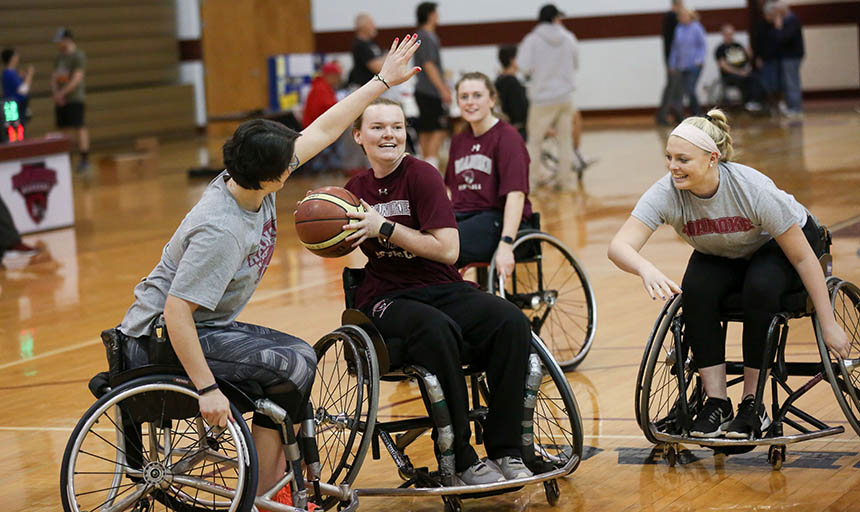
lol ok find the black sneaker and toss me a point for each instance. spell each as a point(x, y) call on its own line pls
point(749, 422)
point(714, 417)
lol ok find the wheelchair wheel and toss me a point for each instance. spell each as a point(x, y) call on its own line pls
point(345, 396)
point(557, 422)
point(145, 446)
point(844, 376)
point(551, 288)
point(661, 405)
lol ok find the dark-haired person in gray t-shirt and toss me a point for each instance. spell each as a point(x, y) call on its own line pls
point(213, 263)
point(750, 237)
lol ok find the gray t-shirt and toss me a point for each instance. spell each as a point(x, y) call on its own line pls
point(428, 51)
point(215, 259)
point(744, 214)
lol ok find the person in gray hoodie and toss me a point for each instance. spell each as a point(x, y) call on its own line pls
point(549, 55)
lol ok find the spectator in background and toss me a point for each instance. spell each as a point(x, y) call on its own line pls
point(68, 89)
point(321, 97)
point(736, 68)
point(367, 57)
point(549, 55)
point(11, 245)
point(431, 90)
point(512, 93)
point(781, 51)
point(673, 83)
point(15, 86)
point(687, 57)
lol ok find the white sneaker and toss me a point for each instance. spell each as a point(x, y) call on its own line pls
point(480, 473)
point(513, 468)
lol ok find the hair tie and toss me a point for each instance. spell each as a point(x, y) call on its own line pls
point(709, 118)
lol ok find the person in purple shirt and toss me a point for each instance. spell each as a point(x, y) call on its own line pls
point(488, 177)
point(687, 56)
point(424, 310)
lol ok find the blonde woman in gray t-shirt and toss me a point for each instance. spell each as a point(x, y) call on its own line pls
point(750, 237)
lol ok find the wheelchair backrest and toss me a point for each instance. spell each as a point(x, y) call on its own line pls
point(352, 279)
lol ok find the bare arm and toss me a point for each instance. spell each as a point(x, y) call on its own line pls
point(513, 214)
point(329, 126)
point(214, 406)
point(73, 82)
point(796, 248)
point(624, 252)
point(442, 244)
point(435, 76)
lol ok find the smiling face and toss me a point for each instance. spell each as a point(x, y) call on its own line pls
point(382, 134)
point(474, 100)
point(692, 168)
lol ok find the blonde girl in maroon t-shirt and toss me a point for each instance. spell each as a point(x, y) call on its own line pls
point(425, 312)
point(487, 177)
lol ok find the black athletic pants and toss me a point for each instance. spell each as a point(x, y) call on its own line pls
point(444, 326)
point(762, 281)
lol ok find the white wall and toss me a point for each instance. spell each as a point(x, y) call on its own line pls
point(188, 27)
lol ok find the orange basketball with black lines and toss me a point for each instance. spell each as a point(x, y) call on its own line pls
point(320, 217)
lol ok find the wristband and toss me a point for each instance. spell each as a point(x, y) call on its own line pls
point(207, 389)
point(508, 240)
point(379, 77)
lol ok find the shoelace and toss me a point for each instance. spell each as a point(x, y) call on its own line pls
point(716, 413)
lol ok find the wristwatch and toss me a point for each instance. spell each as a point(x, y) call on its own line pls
point(385, 231)
point(508, 240)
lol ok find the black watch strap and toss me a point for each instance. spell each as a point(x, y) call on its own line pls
point(508, 240)
point(207, 389)
point(386, 230)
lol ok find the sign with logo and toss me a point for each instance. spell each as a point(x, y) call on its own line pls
point(38, 192)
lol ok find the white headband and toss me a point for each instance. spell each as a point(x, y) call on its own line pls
point(696, 136)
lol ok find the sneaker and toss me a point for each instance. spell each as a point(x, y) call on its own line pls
point(749, 422)
point(480, 473)
point(513, 467)
point(753, 106)
point(21, 250)
point(715, 416)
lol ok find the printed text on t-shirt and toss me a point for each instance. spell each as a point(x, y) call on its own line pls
point(393, 208)
point(722, 226)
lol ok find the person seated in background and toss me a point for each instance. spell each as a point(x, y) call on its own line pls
point(15, 86)
point(736, 68)
point(321, 97)
point(512, 93)
point(487, 177)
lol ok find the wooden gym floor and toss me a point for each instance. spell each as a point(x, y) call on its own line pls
point(51, 313)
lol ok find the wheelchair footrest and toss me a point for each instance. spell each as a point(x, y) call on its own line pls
point(765, 441)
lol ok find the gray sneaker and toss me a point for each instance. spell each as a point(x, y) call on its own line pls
point(480, 473)
point(513, 468)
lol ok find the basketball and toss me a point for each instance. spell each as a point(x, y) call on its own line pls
point(319, 219)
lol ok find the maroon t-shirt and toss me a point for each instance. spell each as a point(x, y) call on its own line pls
point(414, 196)
point(482, 170)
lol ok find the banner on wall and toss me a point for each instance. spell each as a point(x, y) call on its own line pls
point(290, 78)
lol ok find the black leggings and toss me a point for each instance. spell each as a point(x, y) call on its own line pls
point(444, 326)
point(479, 235)
point(762, 281)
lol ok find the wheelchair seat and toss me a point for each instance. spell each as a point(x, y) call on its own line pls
point(793, 304)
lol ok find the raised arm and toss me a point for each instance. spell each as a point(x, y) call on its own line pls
point(796, 248)
point(624, 252)
point(328, 127)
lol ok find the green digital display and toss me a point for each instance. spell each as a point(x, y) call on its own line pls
point(10, 111)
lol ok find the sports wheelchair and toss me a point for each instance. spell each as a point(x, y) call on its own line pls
point(552, 289)
point(143, 446)
point(669, 392)
point(353, 360)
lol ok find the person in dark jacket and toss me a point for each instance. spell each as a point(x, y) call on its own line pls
point(673, 82)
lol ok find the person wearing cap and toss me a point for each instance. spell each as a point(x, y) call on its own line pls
point(748, 236)
point(549, 56)
point(321, 97)
point(69, 91)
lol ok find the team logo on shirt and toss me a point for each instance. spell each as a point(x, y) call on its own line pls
point(263, 256)
point(34, 182)
point(722, 226)
point(394, 208)
point(476, 147)
point(469, 177)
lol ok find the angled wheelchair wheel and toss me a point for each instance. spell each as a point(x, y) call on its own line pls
point(667, 398)
point(844, 376)
point(345, 397)
point(551, 288)
point(557, 421)
point(144, 446)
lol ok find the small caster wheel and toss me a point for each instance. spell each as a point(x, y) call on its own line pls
point(671, 455)
point(776, 456)
point(550, 487)
point(452, 504)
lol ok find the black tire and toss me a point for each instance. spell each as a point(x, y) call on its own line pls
point(345, 397)
point(550, 488)
point(658, 397)
point(552, 289)
point(97, 469)
point(557, 421)
point(845, 380)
